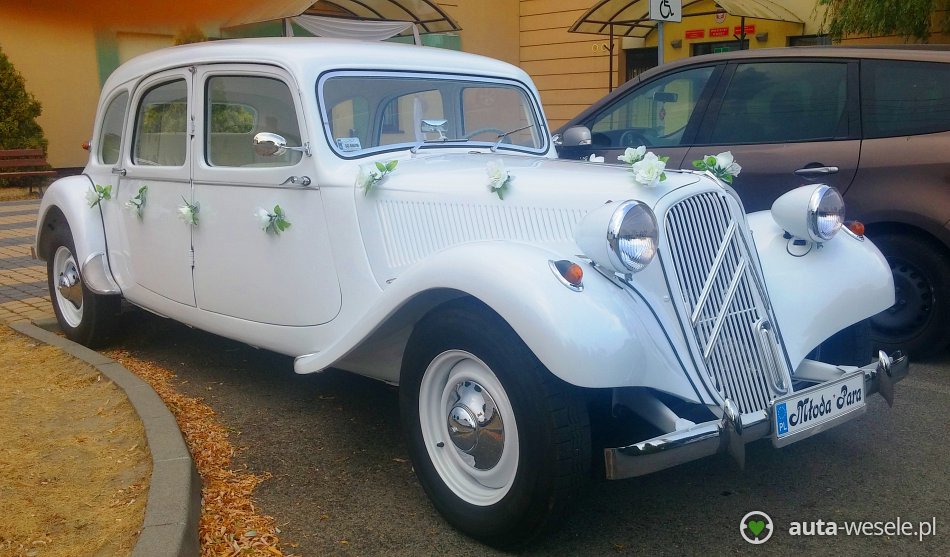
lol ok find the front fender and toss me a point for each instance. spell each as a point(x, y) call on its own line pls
point(818, 293)
point(66, 198)
point(598, 338)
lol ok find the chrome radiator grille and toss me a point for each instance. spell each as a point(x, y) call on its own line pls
point(714, 284)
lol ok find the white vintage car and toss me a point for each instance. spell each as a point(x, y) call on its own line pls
point(399, 212)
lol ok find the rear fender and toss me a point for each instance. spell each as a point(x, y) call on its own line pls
point(64, 204)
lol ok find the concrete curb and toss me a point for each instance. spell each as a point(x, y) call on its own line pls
point(174, 494)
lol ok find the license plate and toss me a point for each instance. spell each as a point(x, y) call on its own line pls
point(821, 407)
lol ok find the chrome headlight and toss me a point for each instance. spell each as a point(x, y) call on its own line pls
point(631, 236)
point(810, 212)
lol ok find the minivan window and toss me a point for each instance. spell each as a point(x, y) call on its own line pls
point(777, 102)
point(655, 115)
point(110, 133)
point(904, 98)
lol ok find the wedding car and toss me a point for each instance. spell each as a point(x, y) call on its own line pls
point(400, 212)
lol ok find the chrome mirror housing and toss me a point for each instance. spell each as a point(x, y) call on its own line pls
point(267, 144)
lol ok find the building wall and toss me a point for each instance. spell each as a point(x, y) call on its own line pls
point(489, 27)
point(57, 59)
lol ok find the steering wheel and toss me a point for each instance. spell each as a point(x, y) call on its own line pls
point(473, 133)
point(631, 138)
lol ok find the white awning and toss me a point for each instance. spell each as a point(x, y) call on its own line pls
point(343, 28)
point(631, 18)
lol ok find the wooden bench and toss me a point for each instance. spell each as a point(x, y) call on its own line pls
point(25, 162)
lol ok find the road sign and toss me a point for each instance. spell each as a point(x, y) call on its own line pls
point(666, 10)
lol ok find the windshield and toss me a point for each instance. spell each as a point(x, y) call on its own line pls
point(366, 113)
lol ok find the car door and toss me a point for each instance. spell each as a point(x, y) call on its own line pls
point(662, 113)
point(787, 123)
point(243, 268)
point(153, 249)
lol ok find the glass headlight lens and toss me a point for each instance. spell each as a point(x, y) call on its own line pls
point(825, 213)
point(632, 236)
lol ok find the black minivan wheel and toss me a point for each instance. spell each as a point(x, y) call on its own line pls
point(918, 321)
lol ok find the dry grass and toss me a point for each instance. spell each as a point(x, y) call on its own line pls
point(74, 465)
point(230, 525)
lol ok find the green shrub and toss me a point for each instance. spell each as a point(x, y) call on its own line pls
point(18, 112)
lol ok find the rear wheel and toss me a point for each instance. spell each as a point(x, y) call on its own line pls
point(84, 316)
point(500, 445)
point(920, 317)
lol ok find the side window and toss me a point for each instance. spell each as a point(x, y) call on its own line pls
point(777, 102)
point(655, 114)
point(904, 98)
point(110, 133)
point(161, 125)
point(236, 108)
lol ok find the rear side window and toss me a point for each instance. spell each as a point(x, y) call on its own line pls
point(110, 136)
point(904, 98)
point(778, 102)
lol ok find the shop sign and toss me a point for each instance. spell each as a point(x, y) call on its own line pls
point(695, 33)
point(719, 32)
point(749, 30)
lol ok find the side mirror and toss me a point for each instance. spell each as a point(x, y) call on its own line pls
point(269, 144)
point(575, 136)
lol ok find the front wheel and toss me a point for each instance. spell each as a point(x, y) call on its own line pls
point(500, 445)
point(84, 316)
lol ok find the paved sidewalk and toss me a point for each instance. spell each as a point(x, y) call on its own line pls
point(23, 292)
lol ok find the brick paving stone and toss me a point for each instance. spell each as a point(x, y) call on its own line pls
point(18, 218)
point(23, 291)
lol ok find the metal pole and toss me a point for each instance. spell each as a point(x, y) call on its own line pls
point(659, 43)
point(610, 66)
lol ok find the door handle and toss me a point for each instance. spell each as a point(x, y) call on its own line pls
point(119, 171)
point(817, 171)
point(303, 181)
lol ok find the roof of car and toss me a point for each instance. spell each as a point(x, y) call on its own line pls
point(932, 53)
point(305, 53)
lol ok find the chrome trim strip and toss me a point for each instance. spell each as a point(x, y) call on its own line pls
point(713, 272)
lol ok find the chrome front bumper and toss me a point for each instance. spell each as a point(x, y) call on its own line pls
point(730, 434)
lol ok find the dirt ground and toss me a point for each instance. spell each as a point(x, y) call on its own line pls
point(74, 464)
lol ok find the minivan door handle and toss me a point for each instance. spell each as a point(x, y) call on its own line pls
point(817, 171)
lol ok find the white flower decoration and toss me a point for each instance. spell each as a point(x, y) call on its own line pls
point(97, 194)
point(273, 222)
point(498, 178)
point(136, 203)
point(595, 158)
point(189, 212)
point(723, 166)
point(649, 170)
point(631, 155)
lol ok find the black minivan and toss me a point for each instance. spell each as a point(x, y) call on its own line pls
point(872, 122)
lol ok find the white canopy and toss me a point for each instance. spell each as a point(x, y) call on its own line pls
point(343, 28)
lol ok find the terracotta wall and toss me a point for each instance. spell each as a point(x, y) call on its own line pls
point(57, 58)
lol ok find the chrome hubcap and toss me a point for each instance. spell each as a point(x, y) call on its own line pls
point(475, 426)
point(468, 427)
point(69, 286)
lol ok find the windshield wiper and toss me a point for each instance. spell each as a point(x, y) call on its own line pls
point(419, 144)
point(502, 136)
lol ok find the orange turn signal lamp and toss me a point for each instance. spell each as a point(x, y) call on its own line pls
point(570, 273)
point(85, 145)
point(857, 227)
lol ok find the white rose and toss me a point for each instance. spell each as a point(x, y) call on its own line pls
point(726, 162)
point(649, 170)
point(631, 155)
point(92, 197)
point(496, 174)
point(263, 218)
point(595, 158)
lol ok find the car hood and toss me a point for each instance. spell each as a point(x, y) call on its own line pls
point(535, 181)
